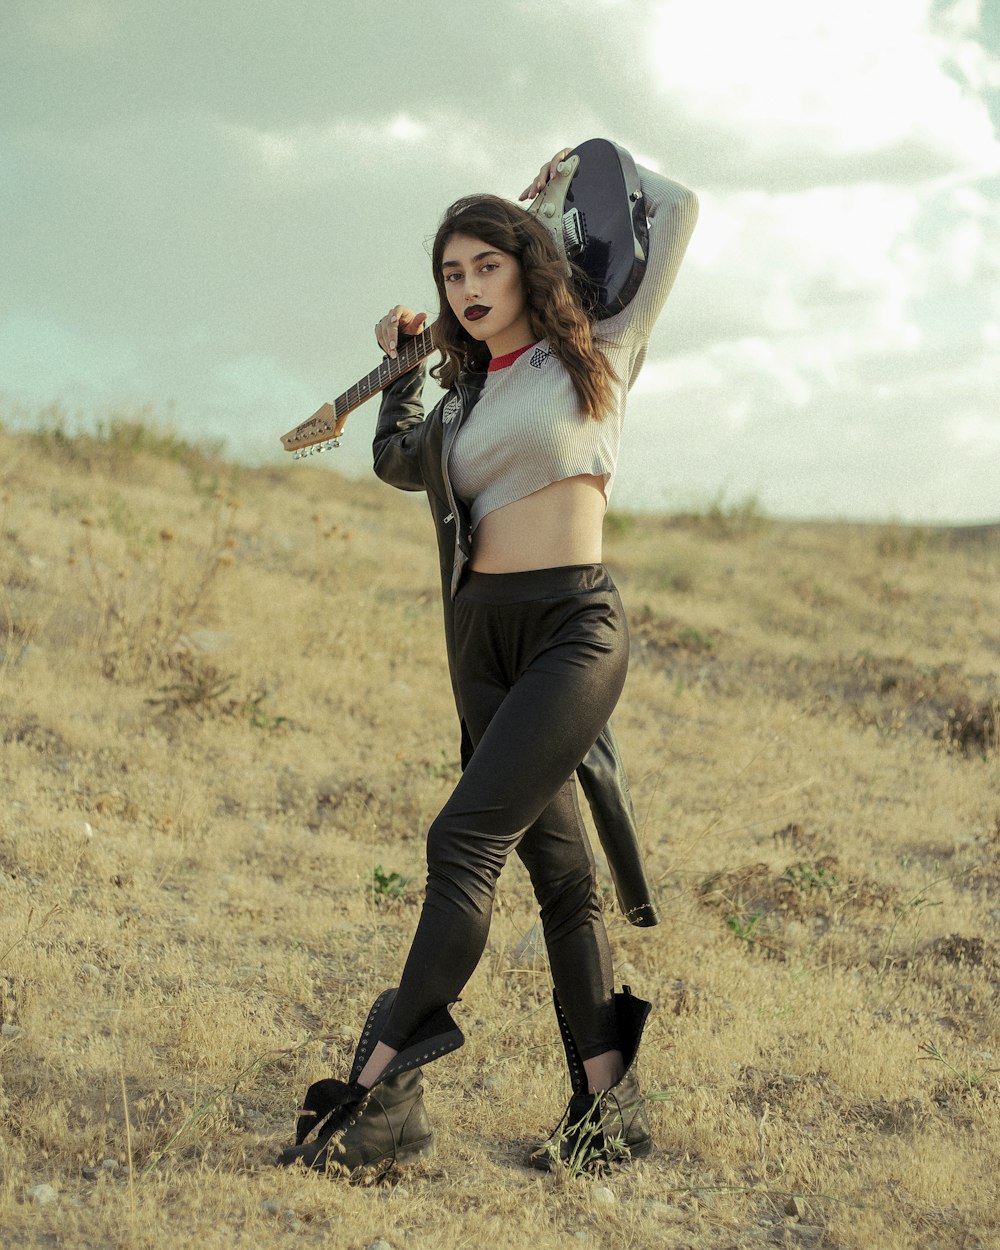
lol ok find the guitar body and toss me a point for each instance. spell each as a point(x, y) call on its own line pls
point(595, 213)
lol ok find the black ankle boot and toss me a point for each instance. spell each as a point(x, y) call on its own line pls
point(357, 1127)
point(609, 1127)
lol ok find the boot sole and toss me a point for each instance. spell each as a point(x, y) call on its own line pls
point(542, 1161)
point(410, 1153)
point(405, 1154)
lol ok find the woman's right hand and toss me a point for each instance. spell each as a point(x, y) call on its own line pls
point(398, 320)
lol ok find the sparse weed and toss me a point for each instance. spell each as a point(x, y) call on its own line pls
point(145, 607)
point(971, 1078)
point(907, 541)
point(618, 524)
point(387, 885)
point(977, 1084)
point(201, 691)
point(735, 520)
point(198, 693)
point(974, 729)
point(914, 907)
point(658, 636)
point(259, 718)
point(582, 1148)
point(745, 927)
point(115, 442)
point(810, 877)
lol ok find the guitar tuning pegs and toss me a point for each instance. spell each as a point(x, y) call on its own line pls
point(315, 449)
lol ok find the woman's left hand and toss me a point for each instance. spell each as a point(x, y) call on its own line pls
point(545, 175)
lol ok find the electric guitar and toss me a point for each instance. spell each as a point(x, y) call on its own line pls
point(594, 211)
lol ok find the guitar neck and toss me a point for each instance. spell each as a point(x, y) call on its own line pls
point(412, 352)
point(328, 421)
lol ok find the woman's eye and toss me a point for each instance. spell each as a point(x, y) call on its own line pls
point(452, 277)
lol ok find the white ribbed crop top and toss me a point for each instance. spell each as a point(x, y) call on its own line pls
point(526, 431)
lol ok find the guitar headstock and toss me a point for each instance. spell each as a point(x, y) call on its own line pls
point(324, 424)
point(549, 206)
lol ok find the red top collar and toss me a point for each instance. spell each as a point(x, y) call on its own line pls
point(503, 362)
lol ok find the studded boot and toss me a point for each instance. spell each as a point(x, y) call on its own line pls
point(609, 1127)
point(352, 1127)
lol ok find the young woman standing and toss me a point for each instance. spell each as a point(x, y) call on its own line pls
point(522, 450)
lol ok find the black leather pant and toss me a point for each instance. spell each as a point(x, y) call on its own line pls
point(541, 658)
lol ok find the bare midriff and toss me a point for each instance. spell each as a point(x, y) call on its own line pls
point(558, 525)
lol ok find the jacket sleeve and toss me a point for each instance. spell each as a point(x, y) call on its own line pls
point(604, 781)
point(398, 435)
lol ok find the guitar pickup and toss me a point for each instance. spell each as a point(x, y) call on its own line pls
point(574, 229)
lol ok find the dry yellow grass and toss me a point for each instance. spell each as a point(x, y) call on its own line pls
point(223, 702)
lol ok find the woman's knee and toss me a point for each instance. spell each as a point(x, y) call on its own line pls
point(567, 903)
point(463, 863)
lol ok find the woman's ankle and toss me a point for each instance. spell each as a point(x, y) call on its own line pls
point(604, 1071)
point(378, 1061)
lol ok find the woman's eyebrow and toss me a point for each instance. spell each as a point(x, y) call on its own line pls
point(457, 264)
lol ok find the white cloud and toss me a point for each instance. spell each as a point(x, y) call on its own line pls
point(830, 84)
point(977, 430)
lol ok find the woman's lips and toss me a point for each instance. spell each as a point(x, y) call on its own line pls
point(475, 312)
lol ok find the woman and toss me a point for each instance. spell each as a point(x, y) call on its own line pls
point(524, 444)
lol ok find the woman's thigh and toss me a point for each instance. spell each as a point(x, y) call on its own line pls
point(530, 738)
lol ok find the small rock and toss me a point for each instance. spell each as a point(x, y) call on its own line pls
point(42, 1195)
point(807, 1232)
point(270, 1206)
point(111, 1166)
point(581, 1234)
point(90, 1174)
point(89, 970)
point(379, 1244)
point(664, 1212)
point(603, 1194)
point(10, 1030)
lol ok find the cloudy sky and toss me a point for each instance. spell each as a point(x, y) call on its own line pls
point(205, 205)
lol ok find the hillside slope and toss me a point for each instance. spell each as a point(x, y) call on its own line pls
point(226, 722)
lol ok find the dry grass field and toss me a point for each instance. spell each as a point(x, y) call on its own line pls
point(225, 724)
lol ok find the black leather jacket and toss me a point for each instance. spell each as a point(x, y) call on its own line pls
point(411, 453)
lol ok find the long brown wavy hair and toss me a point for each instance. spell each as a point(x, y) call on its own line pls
point(554, 311)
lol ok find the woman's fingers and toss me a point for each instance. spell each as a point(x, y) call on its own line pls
point(398, 320)
point(545, 175)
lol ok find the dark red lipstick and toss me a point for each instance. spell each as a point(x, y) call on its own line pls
point(475, 312)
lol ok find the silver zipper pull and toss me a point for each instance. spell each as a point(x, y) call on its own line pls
point(449, 517)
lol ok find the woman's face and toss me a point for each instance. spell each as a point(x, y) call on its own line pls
point(485, 291)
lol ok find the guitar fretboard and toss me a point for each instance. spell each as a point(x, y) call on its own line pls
point(411, 353)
